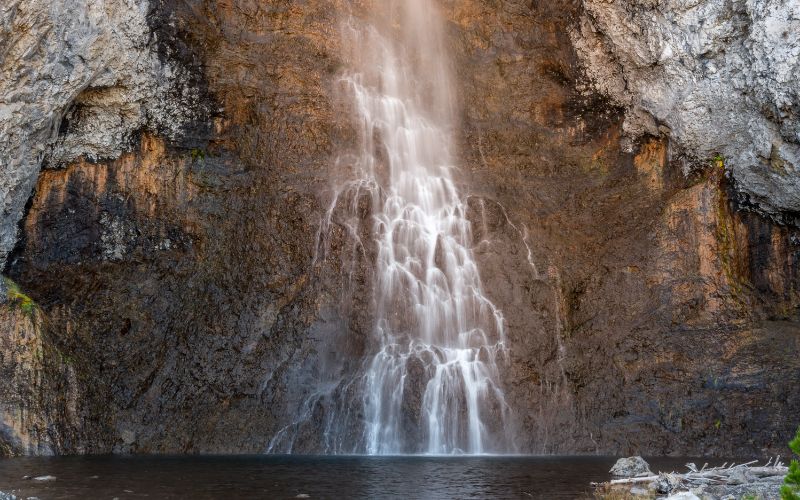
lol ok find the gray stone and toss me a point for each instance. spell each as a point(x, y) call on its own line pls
point(721, 76)
point(667, 483)
point(77, 78)
point(128, 437)
point(740, 476)
point(683, 495)
point(630, 467)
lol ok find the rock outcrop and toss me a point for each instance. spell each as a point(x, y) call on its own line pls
point(173, 241)
point(79, 78)
point(718, 78)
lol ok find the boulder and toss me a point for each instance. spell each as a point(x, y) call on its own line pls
point(667, 483)
point(631, 467)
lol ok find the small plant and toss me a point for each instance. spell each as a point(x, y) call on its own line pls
point(66, 359)
point(719, 160)
point(19, 299)
point(197, 154)
point(791, 487)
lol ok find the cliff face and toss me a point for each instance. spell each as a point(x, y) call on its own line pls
point(635, 294)
point(172, 240)
point(177, 277)
point(38, 389)
point(79, 78)
point(718, 78)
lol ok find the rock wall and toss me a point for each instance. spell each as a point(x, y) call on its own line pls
point(39, 390)
point(78, 78)
point(635, 295)
point(718, 78)
point(178, 266)
point(179, 274)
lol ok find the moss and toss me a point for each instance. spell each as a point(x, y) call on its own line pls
point(726, 241)
point(791, 488)
point(65, 359)
point(718, 161)
point(19, 299)
point(197, 154)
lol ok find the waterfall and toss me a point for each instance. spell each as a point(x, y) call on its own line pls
point(432, 386)
point(429, 382)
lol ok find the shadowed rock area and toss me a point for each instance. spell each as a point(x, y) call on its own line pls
point(183, 306)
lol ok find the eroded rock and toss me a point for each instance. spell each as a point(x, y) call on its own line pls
point(79, 78)
point(721, 76)
point(38, 387)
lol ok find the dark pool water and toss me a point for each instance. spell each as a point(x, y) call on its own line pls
point(277, 477)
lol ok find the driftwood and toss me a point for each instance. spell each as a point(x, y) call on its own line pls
point(733, 474)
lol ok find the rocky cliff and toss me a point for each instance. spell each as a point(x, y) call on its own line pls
point(79, 79)
point(172, 164)
point(718, 78)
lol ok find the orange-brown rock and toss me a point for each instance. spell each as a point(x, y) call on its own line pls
point(646, 312)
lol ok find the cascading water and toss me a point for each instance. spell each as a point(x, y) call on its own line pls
point(432, 387)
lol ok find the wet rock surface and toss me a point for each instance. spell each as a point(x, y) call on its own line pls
point(639, 302)
point(38, 386)
point(186, 284)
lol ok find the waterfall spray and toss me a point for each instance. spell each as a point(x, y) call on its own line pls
point(432, 386)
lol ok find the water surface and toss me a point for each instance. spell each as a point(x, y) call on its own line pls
point(203, 477)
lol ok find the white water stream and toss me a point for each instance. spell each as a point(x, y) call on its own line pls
point(432, 387)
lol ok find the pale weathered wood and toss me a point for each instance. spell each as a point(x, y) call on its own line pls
point(771, 472)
